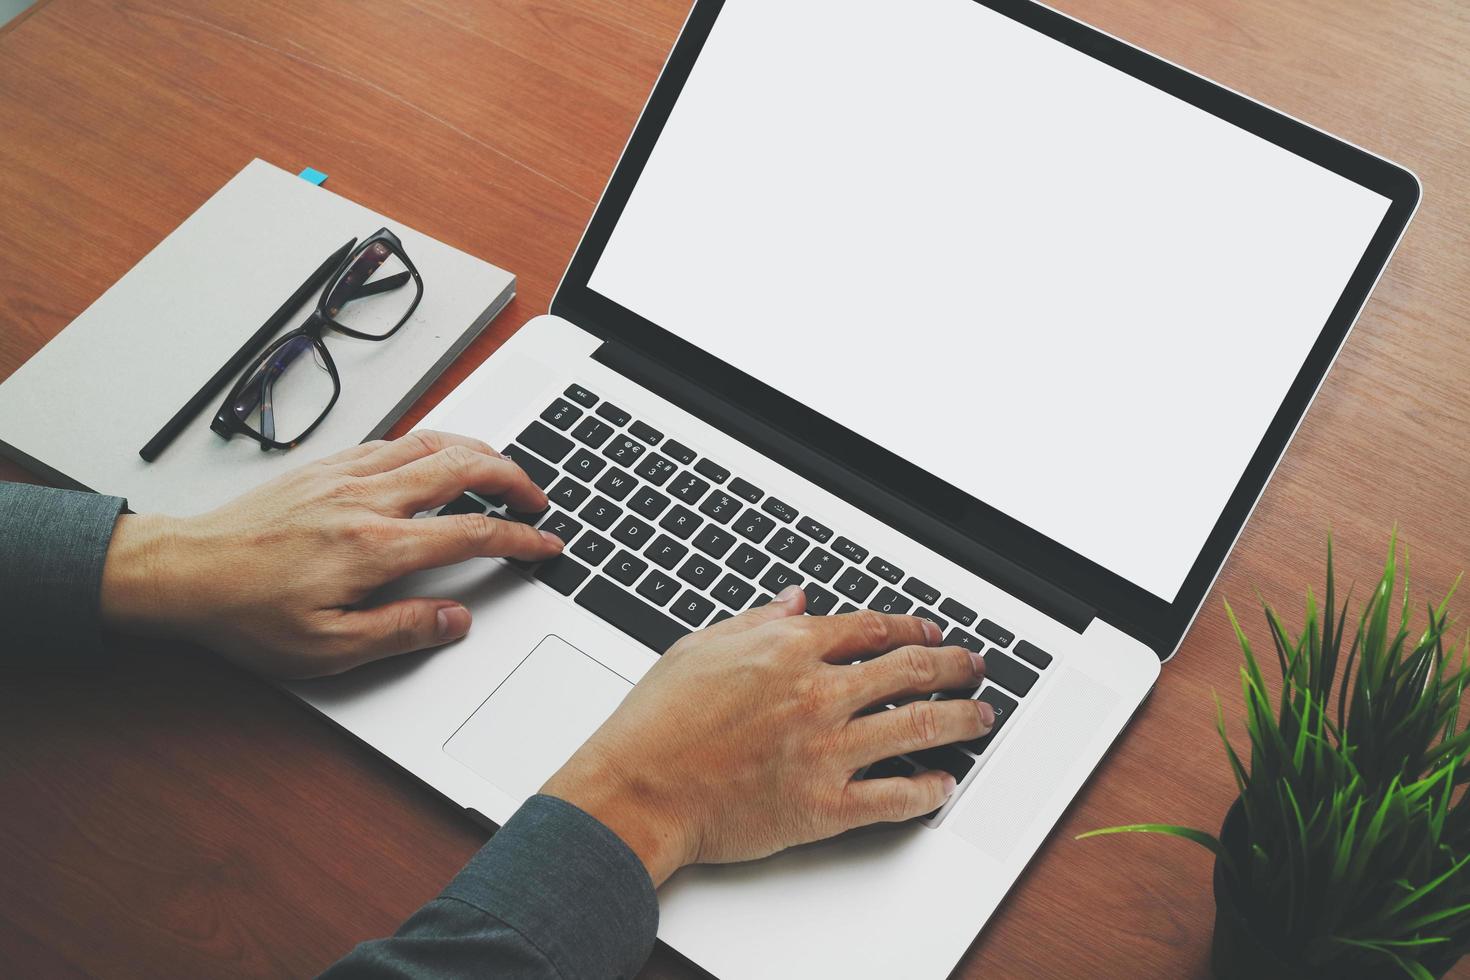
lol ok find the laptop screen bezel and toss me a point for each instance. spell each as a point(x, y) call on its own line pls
point(1157, 622)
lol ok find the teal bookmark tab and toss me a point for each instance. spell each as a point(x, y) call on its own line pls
point(312, 175)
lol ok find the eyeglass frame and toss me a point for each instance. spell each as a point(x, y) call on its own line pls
point(227, 423)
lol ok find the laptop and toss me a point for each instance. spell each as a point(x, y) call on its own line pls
point(951, 308)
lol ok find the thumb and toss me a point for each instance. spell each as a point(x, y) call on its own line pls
point(398, 627)
point(790, 602)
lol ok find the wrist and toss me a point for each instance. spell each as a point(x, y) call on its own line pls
point(651, 828)
point(137, 596)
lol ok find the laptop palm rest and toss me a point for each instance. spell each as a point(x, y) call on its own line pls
point(538, 716)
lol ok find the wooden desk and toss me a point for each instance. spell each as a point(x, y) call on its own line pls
point(169, 816)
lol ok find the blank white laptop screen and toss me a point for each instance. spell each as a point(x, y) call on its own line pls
point(1072, 296)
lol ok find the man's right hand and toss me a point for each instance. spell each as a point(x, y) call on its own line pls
point(744, 738)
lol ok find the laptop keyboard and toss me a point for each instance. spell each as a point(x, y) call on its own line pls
point(662, 541)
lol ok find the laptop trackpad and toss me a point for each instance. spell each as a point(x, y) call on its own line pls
point(537, 717)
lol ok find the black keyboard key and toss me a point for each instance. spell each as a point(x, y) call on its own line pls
point(463, 504)
point(540, 472)
point(562, 573)
point(747, 561)
point(761, 600)
point(616, 484)
point(681, 522)
point(820, 564)
point(699, 571)
point(779, 577)
point(888, 601)
point(562, 414)
point(954, 610)
point(746, 490)
point(995, 633)
point(780, 511)
point(753, 525)
point(521, 517)
point(562, 526)
point(646, 432)
point(885, 571)
point(688, 488)
point(624, 451)
point(714, 541)
point(812, 529)
point(601, 513)
point(692, 608)
point(633, 532)
point(631, 615)
point(733, 592)
point(567, 493)
point(658, 588)
point(946, 758)
point(656, 469)
point(546, 442)
point(1009, 673)
point(626, 567)
point(849, 549)
point(1033, 654)
point(592, 432)
point(613, 414)
point(584, 465)
point(592, 548)
point(648, 502)
point(720, 617)
point(846, 607)
point(959, 638)
point(719, 507)
point(927, 594)
point(889, 769)
point(713, 471)
point(787, 545)
point(854, 585)
point(679, 452)
point(1004, 706)
point(665, 552)
point(581, 396)
point(819, 602)
point(933, 617)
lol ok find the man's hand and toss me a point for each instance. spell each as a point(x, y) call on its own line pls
point(743, 739)
point(273, 579)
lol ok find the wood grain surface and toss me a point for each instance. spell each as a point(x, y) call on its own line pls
point(165, 815)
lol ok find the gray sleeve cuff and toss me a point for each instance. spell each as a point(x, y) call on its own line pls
point(53, 544)
point(568, 885)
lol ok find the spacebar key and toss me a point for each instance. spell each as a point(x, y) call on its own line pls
point(631, 615)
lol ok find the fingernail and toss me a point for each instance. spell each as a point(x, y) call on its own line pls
point(788, 594)
point(931, 631)
point(977, 664)
point(454, 622)
point(552, 539)
point(987, 715)
point(949, 785)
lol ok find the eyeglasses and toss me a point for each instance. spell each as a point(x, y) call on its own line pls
point(291, 387)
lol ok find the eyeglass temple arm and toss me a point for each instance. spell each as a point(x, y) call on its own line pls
point(385, 285)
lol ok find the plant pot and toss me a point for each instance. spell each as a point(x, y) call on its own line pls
point(1239, 950)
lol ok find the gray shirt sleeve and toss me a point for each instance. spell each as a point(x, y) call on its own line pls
point(553, 895)
point(52, 547)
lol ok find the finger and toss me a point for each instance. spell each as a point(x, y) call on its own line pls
point(352, 453)
point(362, 636)
point(913, 670)
point(429, 542)
point(440, 477)
point(392, 454)
point(897, 797)
point(791, 601)
point(840, 639)
point(919, 725)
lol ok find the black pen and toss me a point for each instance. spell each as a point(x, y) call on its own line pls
point(237, 363)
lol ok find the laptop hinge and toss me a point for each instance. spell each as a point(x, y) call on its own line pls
point(849, 485)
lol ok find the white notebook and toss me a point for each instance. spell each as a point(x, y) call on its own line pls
point(81, 408)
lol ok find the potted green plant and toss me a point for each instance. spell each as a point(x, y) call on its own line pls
point(1346, 854)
